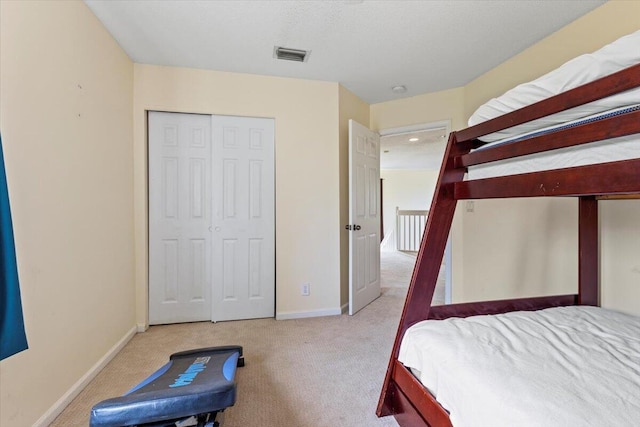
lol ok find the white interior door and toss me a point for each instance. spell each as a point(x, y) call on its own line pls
point(179, 217)
point(243, 218)
point(364, 216)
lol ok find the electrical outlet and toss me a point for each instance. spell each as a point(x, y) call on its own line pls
point(305, 289)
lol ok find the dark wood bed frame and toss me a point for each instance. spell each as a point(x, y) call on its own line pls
point(402, 394)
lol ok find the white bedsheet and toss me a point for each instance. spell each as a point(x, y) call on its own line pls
point(609, 150)
point(559, 367)
point(622, 148)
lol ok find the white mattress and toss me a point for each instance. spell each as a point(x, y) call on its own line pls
point(609, 150)
point(559, 367)
point(613, 57)
point(627, 147)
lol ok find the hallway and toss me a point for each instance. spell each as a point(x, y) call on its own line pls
point(395, 274)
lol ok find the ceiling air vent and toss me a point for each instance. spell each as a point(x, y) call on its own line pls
point(288, 54)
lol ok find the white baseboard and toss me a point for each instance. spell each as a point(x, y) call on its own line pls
point(304, 314)
point(141, 327)
point(62, 403)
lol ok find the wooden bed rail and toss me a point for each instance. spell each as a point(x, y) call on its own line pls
point(612, 127)
point(500, 306)
point(416, 401)
point(622, 177)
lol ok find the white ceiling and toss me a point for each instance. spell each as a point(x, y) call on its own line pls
point(398, 152)
point(367, 46)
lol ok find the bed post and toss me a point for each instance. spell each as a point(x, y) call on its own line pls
point(425, 272)
point(588, 273)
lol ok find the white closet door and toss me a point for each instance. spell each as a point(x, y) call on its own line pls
point(179, 217)
point(243, 218)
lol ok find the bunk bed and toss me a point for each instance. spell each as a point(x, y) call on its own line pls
point(506, 154)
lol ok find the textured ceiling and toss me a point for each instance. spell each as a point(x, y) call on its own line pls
point(367, 46)
point(398, 152)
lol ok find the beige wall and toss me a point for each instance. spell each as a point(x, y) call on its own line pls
point(519, 248)
point(307, 165)
point(427, 108)
point(523, 251)
point(66, 120)
point(620, 255)
point(350, 107)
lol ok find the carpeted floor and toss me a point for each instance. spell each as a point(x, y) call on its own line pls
point(306, 372)
point(396, 268)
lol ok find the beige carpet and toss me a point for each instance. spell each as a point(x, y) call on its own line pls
point(396, 269)
point(307, 372)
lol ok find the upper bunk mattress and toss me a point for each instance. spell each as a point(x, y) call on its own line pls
point(564, 366)
point(616, 56)
point(610, 150)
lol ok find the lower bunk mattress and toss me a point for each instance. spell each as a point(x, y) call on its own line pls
point(609, 150)
point(564, 366)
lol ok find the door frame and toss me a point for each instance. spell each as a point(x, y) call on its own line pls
point(448, 254)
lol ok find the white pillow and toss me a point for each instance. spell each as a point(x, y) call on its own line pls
point(613, 57)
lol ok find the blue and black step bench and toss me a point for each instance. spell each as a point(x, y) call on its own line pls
point(190, 390)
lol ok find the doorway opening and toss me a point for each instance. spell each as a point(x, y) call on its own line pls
point(410, 160)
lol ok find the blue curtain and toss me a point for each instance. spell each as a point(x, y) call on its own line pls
point(12, 335)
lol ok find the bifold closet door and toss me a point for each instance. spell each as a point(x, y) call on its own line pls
point(211, 218)
point(179, 217)
point(243, 218)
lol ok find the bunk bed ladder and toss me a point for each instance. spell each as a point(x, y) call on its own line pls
point(433, 244)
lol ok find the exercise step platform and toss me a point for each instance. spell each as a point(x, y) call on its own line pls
point(190, 390)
